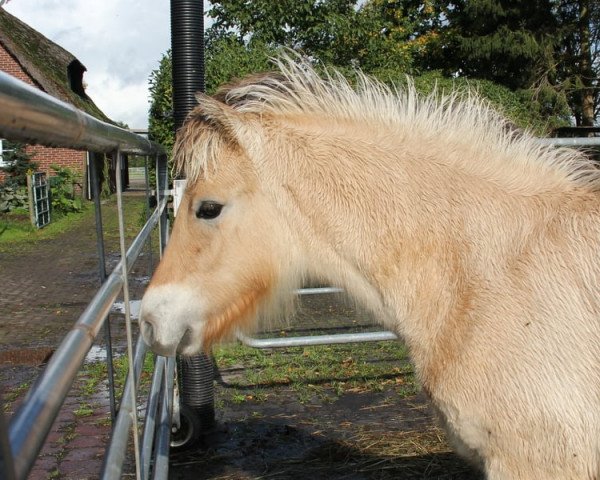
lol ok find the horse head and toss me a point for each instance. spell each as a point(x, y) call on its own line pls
point(224, 258)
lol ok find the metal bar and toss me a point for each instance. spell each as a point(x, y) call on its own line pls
point(115, 454)
point(128, 328)
point(161, 461)
point(7, 468)
point(32, 116)
point(31, 423)
point(316, 339)
point(571, 142)
point(318, 290)
point(151, 412)
point(161, 187)
point(95, 185)
point(146, 212)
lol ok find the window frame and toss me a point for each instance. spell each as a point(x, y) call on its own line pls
point(3, 163)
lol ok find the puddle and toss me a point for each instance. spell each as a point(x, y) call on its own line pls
point(96, 354)
point(142, 279)
point(134, 308)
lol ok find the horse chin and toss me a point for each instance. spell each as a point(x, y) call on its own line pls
point(162, 350)
point(189, 345)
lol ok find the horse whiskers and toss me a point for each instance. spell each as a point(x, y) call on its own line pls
point(235, 315)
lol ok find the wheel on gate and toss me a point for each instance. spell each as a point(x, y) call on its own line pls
point(186, 436)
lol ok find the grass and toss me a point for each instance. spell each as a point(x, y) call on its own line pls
point(19, 236)
point(84, 410)
point(380, 437)
point(94, 374)
point(326, 371)
point(13, 394)
point(93, 378)
point(16, 230)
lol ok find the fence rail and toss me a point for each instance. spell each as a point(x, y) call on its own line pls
point(31, 116)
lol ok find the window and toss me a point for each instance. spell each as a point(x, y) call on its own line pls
point(3, 151)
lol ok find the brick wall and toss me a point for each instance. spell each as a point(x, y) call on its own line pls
point(9, 65)
point(44, 156)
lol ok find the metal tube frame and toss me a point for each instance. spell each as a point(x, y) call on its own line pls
point(31, 423)
point(151, 412)
point(163, 433)
point(95, 188)
point(131, 407)
point(31, 116)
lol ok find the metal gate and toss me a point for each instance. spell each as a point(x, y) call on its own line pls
point(31, 116)
point(39, 199)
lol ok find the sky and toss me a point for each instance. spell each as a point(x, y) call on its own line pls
point(119, 42)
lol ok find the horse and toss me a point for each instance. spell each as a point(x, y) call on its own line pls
point(473, 242)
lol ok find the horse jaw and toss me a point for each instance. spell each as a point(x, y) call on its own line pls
point(171, 319)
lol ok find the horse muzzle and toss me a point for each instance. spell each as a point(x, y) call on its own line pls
point(169, 320)
point(147, 331)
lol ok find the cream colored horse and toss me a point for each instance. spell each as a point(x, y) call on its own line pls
point(479, 247)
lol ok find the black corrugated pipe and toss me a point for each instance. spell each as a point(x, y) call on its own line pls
point(196, 374)
point(187, 44)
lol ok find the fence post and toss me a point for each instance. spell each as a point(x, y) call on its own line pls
point(95, 160)
point(7, 467)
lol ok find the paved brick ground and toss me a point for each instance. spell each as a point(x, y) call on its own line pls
point(44, 290)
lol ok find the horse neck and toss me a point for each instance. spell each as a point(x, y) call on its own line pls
point(384, 220)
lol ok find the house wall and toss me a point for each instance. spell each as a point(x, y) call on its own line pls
point(43, 156)
point(9, 65)
point(46, 156)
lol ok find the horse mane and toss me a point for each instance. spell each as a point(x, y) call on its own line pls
point(296, 89)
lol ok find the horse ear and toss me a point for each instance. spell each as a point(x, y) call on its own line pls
point(228, 122)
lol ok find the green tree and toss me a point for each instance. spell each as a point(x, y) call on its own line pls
point(317, 27)
point(400, 34)
point(548, 50)
point(228, 57)
point(506, 41)
point(370, 35)
point(64, 185)
point(160, 120)
point(578, 61)
point(385, 38)
point(19, 162)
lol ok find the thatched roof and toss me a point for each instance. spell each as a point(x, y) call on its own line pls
point(52, 68)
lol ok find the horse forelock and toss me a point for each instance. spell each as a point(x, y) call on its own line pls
point(198, 147)
point(297, 90)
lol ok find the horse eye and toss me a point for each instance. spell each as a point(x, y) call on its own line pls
point(209, 210)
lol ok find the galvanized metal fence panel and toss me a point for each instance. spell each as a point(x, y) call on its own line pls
point(31, 116)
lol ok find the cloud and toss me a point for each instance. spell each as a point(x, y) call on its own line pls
point(120, 43)
point(128, 102)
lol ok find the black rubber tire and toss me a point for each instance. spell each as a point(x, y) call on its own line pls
point(186, 436)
